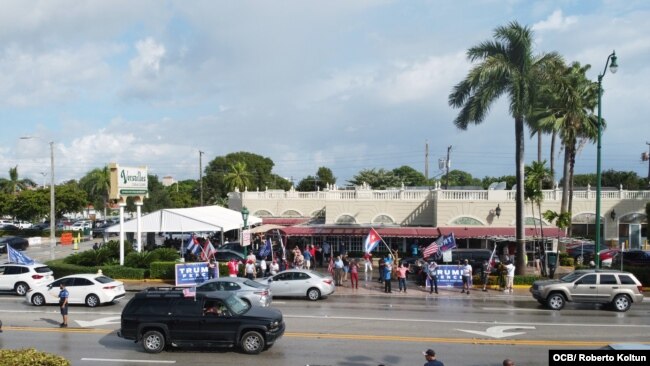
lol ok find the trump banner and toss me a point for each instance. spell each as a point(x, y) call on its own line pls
point(191, 274)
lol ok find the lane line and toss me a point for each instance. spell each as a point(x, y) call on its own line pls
point(124, 360)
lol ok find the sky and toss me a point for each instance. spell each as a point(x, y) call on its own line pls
point(349, 85)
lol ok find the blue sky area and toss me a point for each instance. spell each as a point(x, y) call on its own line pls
point(350, 85)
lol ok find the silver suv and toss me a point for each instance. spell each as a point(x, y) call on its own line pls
point(620, 289)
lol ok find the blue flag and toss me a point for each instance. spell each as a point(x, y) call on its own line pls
point(18, 257)
point(265, 250)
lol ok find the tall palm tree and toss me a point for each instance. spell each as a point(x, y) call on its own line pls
point(562, 221)
point(100, 184)
point(536, 174)
point(13, 185)
point(507, 66)
point(238, 176)
point(570, 112)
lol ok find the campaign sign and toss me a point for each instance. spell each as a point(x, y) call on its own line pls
point(191, 274)
point(450, 276)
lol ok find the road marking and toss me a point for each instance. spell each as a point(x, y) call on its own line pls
point(100, 321)
point(498, 331)
point(125, 360)
point(519, 309)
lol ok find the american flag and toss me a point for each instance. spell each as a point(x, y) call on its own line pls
point(189, 292)
point(431, 249)
point(208, 250)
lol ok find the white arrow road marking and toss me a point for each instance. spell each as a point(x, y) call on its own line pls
point(100, 321)
point(498, 331)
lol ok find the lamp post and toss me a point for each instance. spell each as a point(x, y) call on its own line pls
point(497, 211)
point(612, 67)
point(244, 216)
point(52, 202)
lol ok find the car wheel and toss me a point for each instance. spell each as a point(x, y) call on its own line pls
point(38, 300)
point(555, 301)
point(252, 343)
point(153, 342)
point(21, 288)
point(313, 294)
point(621, 303)
point(92, 300)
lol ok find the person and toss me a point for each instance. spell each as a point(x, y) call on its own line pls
point(508, 362)
point(367, 265)
point(338, 271)
point(432, 276)
point(326, 251)
point(312, 254)
point(354, 273)
point(250, 269)
point(381, 265)
point(307, 258)
point(251, 257)
point(264, 268)
point(430, 356)
point(510, 277)
point(233, 267)
point(63, 303)
point(346, 266)
point(213, 269)
point(467, 276)
point(485, 271)
point(274, 268)
point(401, 277)
point(387, 277)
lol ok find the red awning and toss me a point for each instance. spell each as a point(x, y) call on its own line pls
point(407, 232)
point(483, 232)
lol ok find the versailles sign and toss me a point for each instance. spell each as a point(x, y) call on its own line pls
point(128, 181)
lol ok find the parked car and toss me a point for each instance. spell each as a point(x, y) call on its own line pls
point(158, 317)
point(300, 283)
point(81, 225)
point(632, 258)
point(99, 230)
point(9, 227)
point(250, 291)
point(22, 224)
point(21, 277)
point(15, 242)
point(620, 289)
point(41, 226)
point(90, 289)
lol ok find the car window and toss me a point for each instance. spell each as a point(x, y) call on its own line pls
point(253, 284)
point(587, 280)
point(231, 286)
point(626, 280)
point(570, 277)
point(237, 305)
point(12, 270)
point(43, 269)
point(2, 270)
point(317, 274)
point(212, 286)
point(301, 276)
point(150, 306)
point(608, 279)
point(104, 279)
point(283, 276)
point(186, 307)
point(82, 282)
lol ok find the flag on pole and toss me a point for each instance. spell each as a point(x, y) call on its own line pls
point(284, 254)
point(208, 250)
point(189, 292)
point(193, 245)
point(18, 257)
point(431, 249)
point(265, 249)
point(372, 240)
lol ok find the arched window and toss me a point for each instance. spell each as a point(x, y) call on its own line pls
point(383, 219)
point(346, 220)
point(467, 221)
point(262, 213)
point(291, 213)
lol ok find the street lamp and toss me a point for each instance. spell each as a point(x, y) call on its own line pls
point(613, 67)
point(52, 214)
point(244, 216)
point(498, 210)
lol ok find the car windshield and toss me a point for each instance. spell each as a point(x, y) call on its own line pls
point(237, 305)
point(571, 276)
point(103, 279)
point(253, 284)
point(43, 269)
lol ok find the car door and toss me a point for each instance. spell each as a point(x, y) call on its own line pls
point(607, 285)
point(52, 294)
point(8, 276)
point(282, 283)
point(82, 287)
point(585, 289)
point(220, 326)
point(185, 318)
point(301, 283)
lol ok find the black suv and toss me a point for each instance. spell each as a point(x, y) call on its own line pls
point(163, 316)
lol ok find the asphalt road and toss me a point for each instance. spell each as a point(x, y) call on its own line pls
point(350, 330)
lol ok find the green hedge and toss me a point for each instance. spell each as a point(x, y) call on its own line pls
point(30, 357)
point(126, 273)
point(162, 270)
point(494, 280)
point(60, 269)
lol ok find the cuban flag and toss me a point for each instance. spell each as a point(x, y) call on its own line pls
point(193, 245)
point(265, 250)
point(372, 240)
point(18, 257)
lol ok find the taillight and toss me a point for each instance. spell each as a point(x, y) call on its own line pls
point(109, 287)
point(262, 293)
point(640, 287)
point(37, 277)
point(329, 282)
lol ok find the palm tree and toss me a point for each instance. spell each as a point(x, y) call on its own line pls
point(100, 184)
point(238, 176)
point(536, 175)
point(13, 185)
point(507, 66)
point(570, 112)
point(562, 221)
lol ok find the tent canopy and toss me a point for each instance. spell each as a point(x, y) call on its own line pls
point(184, 220)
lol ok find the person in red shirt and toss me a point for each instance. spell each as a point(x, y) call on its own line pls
point(354, 273)
point(312, 251)
point(233, 267)
point(367, 265)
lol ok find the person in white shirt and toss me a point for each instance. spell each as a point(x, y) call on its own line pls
point(250, 270)
point(510, 277)
point(467, 276)
point(274, 268)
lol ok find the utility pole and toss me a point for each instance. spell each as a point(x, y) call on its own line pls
point(648, 143)
point(426, 160)
point(201, 176)
point(447, 164)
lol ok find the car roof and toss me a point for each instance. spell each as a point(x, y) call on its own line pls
point(85, 275)
point(177, 292)
point(225, 279)
point(24, 265)
point(600, 271)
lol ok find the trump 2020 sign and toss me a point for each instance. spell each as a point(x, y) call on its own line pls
point(191, 274)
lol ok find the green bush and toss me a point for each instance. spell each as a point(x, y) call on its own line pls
point(566, 261)
point(30, 357)
point(139, 260)
point(60, 268)
point(165, 255)
point(162, 270)
point(121, 272)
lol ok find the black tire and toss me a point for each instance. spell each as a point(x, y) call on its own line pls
point(153, 341)
point(92, 301)
point(621, 303)
point(555, 301)
point(38, 300)
point(313, 294)
point(252, 343)
point(21, 288)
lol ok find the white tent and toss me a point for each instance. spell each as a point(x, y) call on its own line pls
point(185, 220)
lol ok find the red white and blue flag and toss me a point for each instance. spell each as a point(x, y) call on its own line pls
point(189, 292)
point(372, 240)
point(193, 245)
point(208, 250)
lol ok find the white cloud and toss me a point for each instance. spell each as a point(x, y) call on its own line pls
point(147, 62)
point(555, 21)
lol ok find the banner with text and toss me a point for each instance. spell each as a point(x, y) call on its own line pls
point(191, 274)
point(449, 276)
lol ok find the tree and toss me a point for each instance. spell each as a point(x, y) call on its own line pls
point(258, 166)
point(562, 222)
point(181, 194)
point(410, 176)
point(536, 174)
point(31, 205)
point(14, 185)
point(97, 185)
point(70, 198)
point(238, 176)
point(459, 178)
point(377, 179)
point(323, 178)
point(510, 180)
point(507, 66)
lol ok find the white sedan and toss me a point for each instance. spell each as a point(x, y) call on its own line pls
point(300, 283)
point(89, 289)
